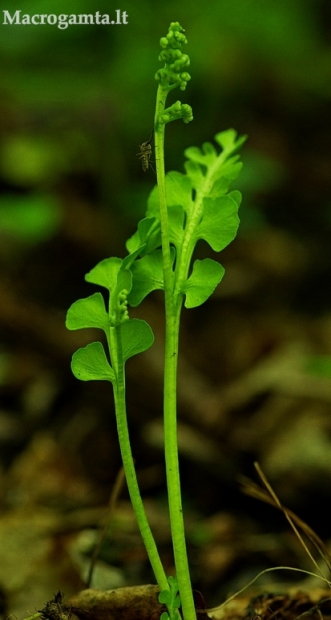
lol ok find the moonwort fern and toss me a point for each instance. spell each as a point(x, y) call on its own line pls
point(181, 210)
point(199, 207)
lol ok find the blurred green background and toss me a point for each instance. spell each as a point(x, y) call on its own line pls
point(75, 105)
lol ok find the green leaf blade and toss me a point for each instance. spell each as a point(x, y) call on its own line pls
point(105, 273)
point(153, 203)
point(90, 364)
point(165, 597)
point(194, 172)
point(206, 275)
point(224, 176)
point(179, 190)
point(176, 221)
point(220, 221)
point(196, 155)
point(137, 336)
point(147, 277)
point(88, 312)
point(228, 140)
point(146, 239)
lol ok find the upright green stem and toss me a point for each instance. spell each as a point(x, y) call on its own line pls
point(159, 130)
point(172, 315)
point(128, 464)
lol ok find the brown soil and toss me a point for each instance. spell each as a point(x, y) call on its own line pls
point(140, 603)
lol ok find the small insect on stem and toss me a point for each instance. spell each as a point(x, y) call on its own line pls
point(145, 153)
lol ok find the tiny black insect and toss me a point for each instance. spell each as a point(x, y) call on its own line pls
point(145, 153)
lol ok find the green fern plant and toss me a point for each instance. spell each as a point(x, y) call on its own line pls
point(181, 210)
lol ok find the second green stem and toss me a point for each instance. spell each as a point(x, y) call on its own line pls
point(128, 462)
point(172, 315)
